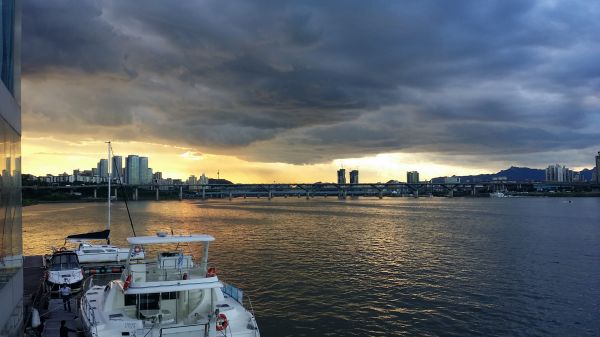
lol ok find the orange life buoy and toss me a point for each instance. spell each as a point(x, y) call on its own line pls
point(127, 282)
point(212, 271)
point(222, 322)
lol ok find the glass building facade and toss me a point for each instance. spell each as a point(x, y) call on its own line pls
point(11, 245)
point(132, 170)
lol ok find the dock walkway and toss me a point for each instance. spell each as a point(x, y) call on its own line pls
point(57, 313)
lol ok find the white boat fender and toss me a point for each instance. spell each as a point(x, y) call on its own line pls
point(35, 318)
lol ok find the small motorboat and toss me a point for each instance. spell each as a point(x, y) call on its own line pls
point(62, 267)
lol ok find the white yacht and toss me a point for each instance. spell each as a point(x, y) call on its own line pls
point(62, 267)
point(497, 194)
point(173, 295)
point(101, 253)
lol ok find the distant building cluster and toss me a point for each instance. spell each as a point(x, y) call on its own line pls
point(560, 173)
point(196, 183)
point(135, 172)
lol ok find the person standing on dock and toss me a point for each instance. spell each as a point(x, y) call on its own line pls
point(64, 331)
point(65, 294)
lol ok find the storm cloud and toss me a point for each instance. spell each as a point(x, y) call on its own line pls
point(312, 81)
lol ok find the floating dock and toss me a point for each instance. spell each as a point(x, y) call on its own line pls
point(51, 310)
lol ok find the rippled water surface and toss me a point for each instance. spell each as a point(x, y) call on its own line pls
point(370, 267)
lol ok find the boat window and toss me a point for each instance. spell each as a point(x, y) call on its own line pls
point(64, 262)
point(130, 300)
point(148, 301)
point(168, 296)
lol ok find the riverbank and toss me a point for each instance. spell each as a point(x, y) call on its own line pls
point(76, 199)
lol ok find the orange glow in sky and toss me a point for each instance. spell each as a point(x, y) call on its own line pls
point(40, 157)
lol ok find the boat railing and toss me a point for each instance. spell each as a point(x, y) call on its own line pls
point(238, 295)
point(88, 310)
point(88, 283)
point(192, 330)
point(154, 272)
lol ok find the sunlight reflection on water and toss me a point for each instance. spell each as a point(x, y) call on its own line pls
point(454, 267)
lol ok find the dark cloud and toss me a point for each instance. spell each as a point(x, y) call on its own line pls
point(311, 81)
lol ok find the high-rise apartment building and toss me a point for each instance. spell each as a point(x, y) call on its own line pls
point(102, 168)
point(143, 174)
point(412, 177)
point(117, 167)
point(11, 242)
point(149, 176)
point(354, 177)
point(132, 170)
point(203, 180)
point(341, 176)
point(598, 168)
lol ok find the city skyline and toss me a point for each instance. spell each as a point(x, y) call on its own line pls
point(145, 175)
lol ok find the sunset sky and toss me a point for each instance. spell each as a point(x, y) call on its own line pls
point(282, 91)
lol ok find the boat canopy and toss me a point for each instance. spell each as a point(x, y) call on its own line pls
point(148, 240)
point(165, 288)
point(102, 235)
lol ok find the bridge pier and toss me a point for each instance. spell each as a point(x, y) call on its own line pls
point(135, 194)
point(116, 189)
point(380, 194)
point(244, 196)
point(157, 193)
point(473, 191)
point(416, 193)
point(203, 192)
point(95, 193)
point(307, 195)
point(180, 193)
point(230, 196)
point(451, 193)
point(270, 194)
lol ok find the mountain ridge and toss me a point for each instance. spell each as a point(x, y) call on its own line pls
point(514, 173)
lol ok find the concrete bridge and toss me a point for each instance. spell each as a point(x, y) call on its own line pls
point(342, 191)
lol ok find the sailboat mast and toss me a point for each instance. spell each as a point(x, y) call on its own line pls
point(109, 171)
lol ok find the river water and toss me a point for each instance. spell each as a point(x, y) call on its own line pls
point(391, 267)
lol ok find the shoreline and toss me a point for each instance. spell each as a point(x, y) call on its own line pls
point(32, 202)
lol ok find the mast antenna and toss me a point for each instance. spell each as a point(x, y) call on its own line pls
point(108, 172)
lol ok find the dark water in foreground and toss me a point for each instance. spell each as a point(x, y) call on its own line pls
point(369, 267)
